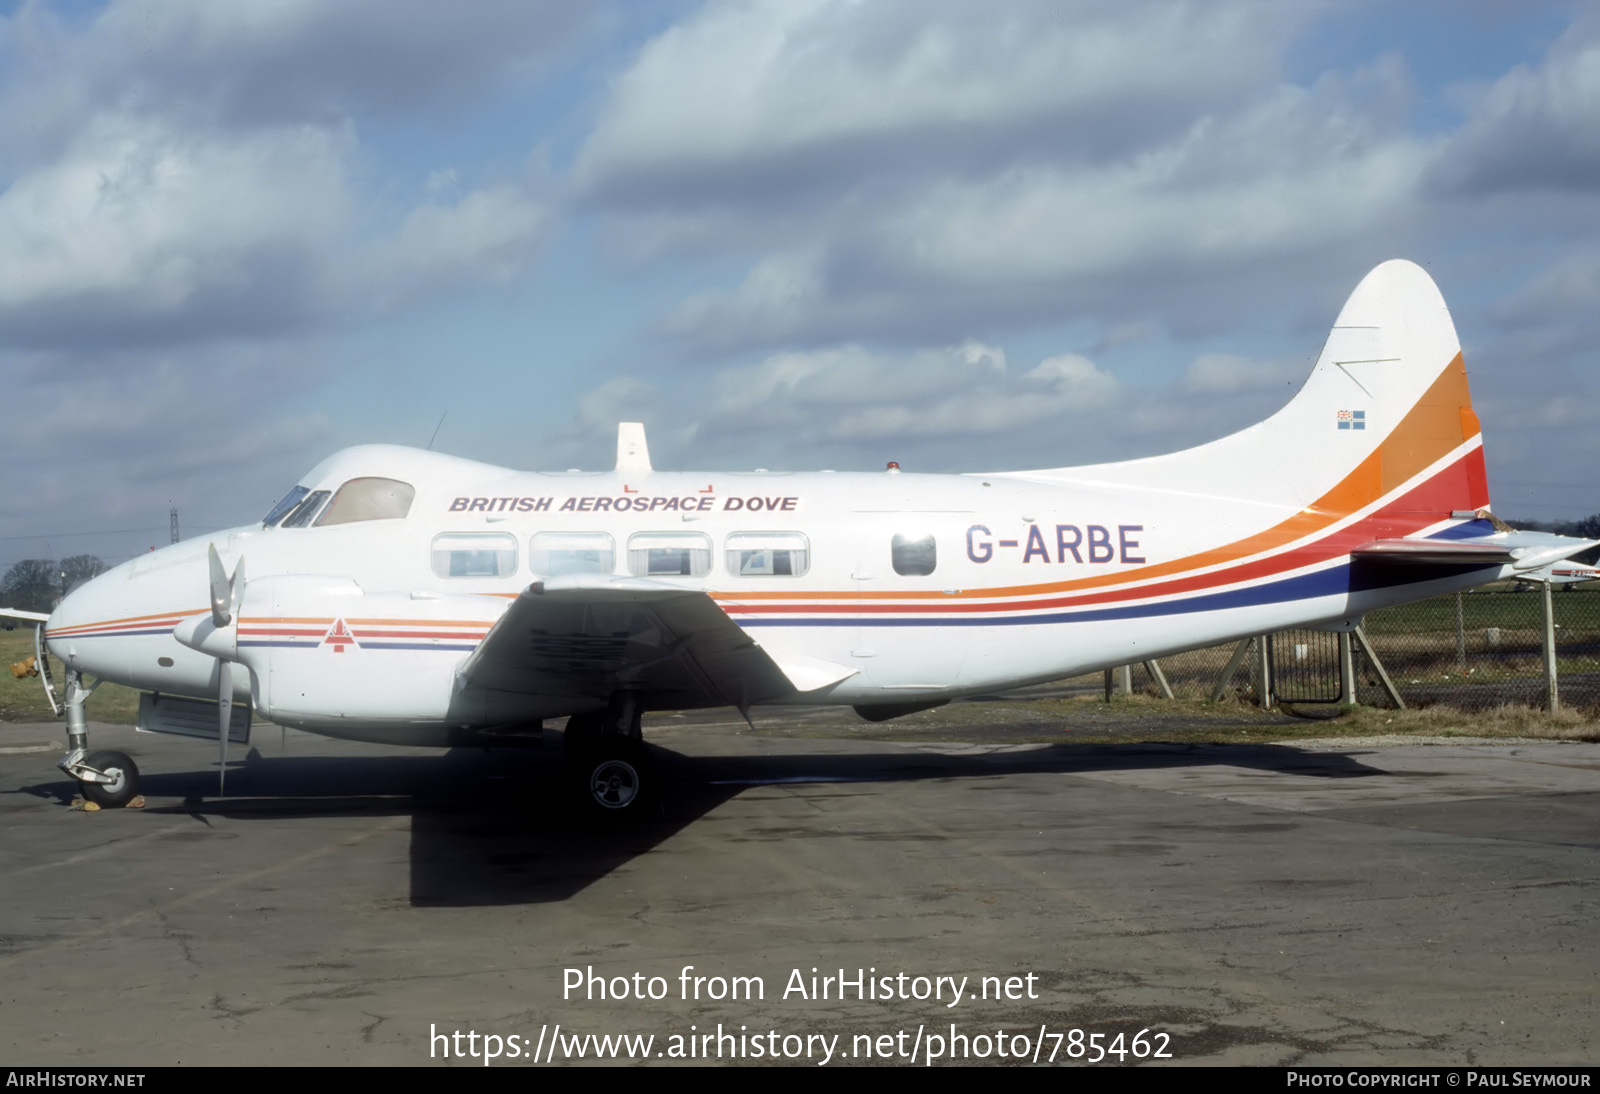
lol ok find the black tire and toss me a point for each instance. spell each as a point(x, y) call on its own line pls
point(616, 779)
point(121, 791)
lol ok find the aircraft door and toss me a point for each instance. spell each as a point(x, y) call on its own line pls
point(899, 643)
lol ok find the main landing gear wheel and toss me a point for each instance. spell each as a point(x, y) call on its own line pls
point(617, 780)
point(124, 784)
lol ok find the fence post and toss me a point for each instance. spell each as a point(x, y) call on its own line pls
point(1154, 669)
point(1347, 670)
point(1552, 700)
point(1264, 669)
point(1461, 635)
point(1377, 666)
point(1233, 666)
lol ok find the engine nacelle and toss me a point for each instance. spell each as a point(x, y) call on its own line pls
point(323, 653)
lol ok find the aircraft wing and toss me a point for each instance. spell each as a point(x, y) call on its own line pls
point(18, 613)
point(587, 636)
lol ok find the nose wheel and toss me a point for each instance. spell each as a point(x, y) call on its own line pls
point(121, 777)
point(108, 779)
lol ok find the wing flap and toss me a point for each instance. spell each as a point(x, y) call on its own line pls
point(588, 636)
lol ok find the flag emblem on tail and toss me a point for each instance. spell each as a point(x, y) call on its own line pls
point(1352, 419)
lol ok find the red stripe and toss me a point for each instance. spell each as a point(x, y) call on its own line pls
point(364, 632)
point(1425, 504)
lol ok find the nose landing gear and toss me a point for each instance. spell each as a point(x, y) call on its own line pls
point(108, 779)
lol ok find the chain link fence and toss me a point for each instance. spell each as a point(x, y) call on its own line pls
point(1473, 651)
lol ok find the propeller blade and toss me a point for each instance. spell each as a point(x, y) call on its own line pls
point(224, 717)
point(236, 588)
point(221, 590)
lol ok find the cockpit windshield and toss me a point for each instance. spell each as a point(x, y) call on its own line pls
point(290, 500)
point(306, 511)
point(368, 499)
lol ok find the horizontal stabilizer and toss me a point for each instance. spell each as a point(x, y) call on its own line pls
point(1435, 552)
point(18, 613)
point(1521, 551)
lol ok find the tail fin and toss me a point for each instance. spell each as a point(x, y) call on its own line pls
point(1385, 416)
point(1391, 373)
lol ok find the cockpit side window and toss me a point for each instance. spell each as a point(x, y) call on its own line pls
point(290, 500)
point(368, 499)
point(306, 510)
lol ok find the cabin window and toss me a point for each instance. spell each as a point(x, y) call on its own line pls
point(474, 554)
point(554, 553)
point(914, 556)
point(768, 554)
point(306, 510)
point(290, 500)
point(669, 554)
point(368, 499)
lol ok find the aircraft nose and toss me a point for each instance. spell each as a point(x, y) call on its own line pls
point(75, 617)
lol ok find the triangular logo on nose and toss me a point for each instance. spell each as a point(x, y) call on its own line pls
point(339, 637)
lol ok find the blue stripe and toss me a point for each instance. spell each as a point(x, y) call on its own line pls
point(107, 634)
point(1472, 529)
point(1334, 581)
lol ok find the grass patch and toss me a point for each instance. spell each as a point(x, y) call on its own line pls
point(1446, 721)
point(23, 700)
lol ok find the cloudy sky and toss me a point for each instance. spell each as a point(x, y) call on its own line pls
point(237, 237)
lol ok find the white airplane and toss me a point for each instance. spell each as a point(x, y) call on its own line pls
point(403, 596)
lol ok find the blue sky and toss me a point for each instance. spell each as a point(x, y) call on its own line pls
point(237, 237)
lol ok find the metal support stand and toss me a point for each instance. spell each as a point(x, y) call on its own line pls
point(1347, 671)
point(1552, 699)
point(1154, 669)
point(1125, 679)
point(1383, 676)
point(1108, 682)
point(1233, 666)
point(1264, 669)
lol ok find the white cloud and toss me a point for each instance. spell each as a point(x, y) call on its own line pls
point(1291, 176)
point(491, 235)
point(139, 220)
point(845, 403)
point(801, 93)
point(277, 62)
point(1535, 128)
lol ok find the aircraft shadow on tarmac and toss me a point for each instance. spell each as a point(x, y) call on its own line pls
point(507, 827)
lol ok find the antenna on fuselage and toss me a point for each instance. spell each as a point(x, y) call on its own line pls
point(436, 430)
point(633, 454)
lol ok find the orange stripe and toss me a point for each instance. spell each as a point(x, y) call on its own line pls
point(131, 619)
point(1423, 437)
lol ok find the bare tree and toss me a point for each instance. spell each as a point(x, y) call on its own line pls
point(34, 585)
